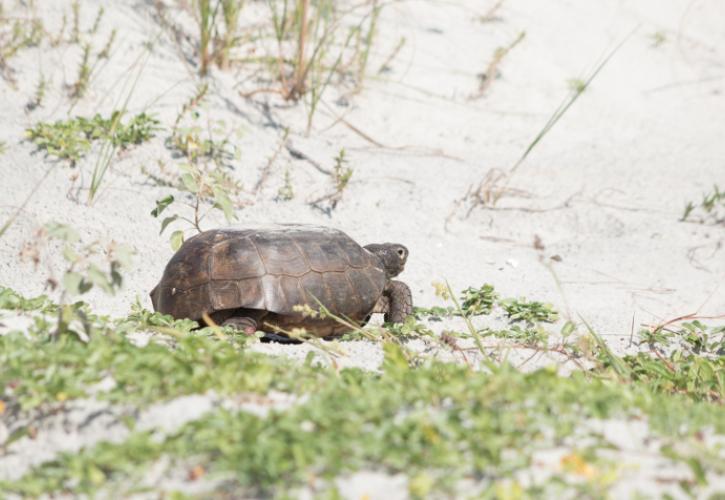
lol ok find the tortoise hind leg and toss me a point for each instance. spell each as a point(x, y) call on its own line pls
point(242, 323)
point(400, 302)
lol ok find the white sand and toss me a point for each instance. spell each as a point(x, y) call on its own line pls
point(603, 191)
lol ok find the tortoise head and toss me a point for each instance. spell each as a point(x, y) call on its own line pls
point(393, 256)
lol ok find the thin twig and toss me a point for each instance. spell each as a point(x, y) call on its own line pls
point(488, 76)
point(268, 167)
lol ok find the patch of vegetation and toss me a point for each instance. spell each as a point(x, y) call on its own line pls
point(38, 372)
point(689, 360)
point(710, 210)
point(437, 423)
point(71, 139)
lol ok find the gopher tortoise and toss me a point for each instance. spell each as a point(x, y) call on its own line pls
point(252, 279)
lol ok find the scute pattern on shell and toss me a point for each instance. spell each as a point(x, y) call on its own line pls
point(271, 269)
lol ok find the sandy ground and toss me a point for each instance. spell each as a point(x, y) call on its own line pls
point(603, 191)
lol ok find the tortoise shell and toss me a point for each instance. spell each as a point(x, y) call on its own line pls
point(273, 270)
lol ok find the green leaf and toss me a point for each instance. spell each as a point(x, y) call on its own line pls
point(177, 239)
point(568, 328)
point(190, 183)
point(123, 254)
point(100, 279)
point(162, 204)
point(70, 254)
point(222, 202)
point(75, 284)
point(167, 221)
point(62, 231)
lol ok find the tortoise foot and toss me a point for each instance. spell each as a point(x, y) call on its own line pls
point(279, 339)
point(246, 325)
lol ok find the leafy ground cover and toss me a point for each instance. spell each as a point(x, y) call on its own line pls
point(440, 424)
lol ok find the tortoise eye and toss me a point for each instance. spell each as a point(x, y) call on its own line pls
point(401, 253)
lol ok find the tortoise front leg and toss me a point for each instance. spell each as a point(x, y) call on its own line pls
point(400, 302)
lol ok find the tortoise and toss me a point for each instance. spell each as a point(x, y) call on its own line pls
point(252, 279)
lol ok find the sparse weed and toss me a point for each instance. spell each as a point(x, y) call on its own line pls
point(83, 270)
point(97, 21)
point(197, 143)
point(491, 73)
point(711, 210)
point(190, 143)
point(286, 192)
point(495, 184)
point(341, 175)
point(76, 26)
point(215, 44)
point(39, 95)
point(105, 52)
point(78, 89)
point(15, 36)
point(315, 42)
point(658, 38)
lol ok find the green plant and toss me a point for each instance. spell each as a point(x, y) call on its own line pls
point(491, 73)
point(72, 139)
point(341, 175)
point(494, 185)
point(78, 89)
point(710, 210)
point(528, 337)
point(230, 13)
point(658, 38)
point(97, 21)
point(76, 27)
point(531, 312)
point(315, 42)
point(105, 52)
point(83, 270)
point(286, 192)
point(215, 44)
point(475, 301)
point(39, 96)
point(15, 36)
point(211, 187)
point(198, 142)
point(438, 423)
